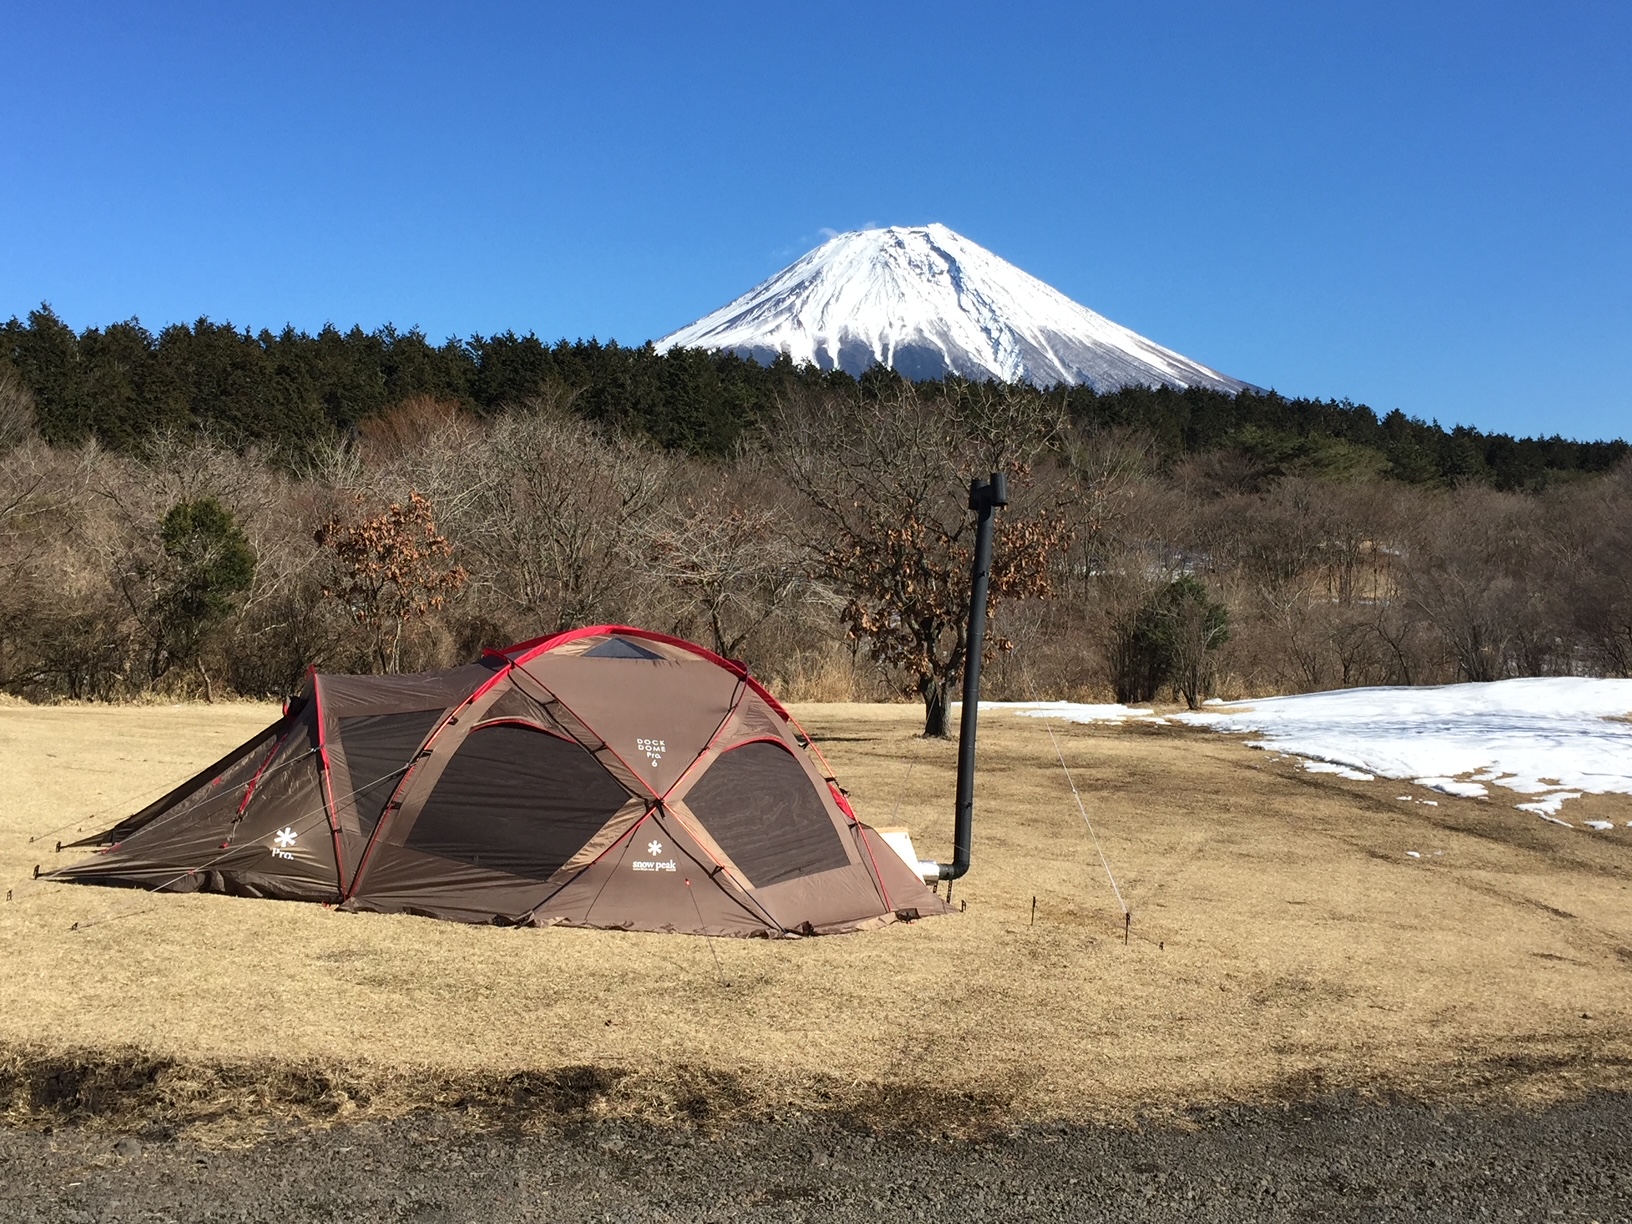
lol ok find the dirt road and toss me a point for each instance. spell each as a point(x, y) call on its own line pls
point(1337, 1160)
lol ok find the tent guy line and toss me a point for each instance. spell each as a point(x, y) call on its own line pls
point(145, 797)
point(237, 816)
point(1127, 914)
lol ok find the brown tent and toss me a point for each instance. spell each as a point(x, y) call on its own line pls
point(605, 777)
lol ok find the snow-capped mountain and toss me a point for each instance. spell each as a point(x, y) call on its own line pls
point(929, 302)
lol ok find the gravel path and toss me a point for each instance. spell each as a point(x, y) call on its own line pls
point(1338, 1160)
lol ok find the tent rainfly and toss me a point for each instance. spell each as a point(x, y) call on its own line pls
point(605, 777)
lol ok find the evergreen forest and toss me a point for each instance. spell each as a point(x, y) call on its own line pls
point(289, 393)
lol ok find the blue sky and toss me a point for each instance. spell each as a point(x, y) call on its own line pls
point(1422, 206)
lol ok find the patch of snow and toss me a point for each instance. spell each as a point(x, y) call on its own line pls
point(1603, 826)
point(1555, 737)
point(1450, 786)
point(1561, 734)
point(1549, 805)
point(1070, 711)
point(1342, 771)
point(1429, 802)
point(1413, 854)
point(1555, 820)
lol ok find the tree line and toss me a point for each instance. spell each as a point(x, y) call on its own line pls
point(289, 394)
point(828, 548)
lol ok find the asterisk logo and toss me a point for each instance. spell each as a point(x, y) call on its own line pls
point(285, 837)
point(654, 848)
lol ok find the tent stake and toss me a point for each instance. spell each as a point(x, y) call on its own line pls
point(1127, 914)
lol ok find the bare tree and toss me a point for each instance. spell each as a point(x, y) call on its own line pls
point(57, 615)
point(1472, 574)
point(17, 419)
point(727, 558)
point(1143, 543)
point(1194, 625)
point(1589, 530)
point(886, 480)
point(558, 513)
point(393, 568)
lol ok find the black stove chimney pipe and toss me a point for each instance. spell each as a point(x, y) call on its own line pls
point(984, 499)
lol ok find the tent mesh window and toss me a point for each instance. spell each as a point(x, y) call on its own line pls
point(761, 807)
point(378, 748)
point(516, 800)
point(620, 648)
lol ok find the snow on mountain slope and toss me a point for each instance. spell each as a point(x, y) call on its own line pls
point(929, 302)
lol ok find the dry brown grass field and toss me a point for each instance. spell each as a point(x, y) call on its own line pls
point(1283, 945)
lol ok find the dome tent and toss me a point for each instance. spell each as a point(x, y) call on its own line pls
point(604, 777)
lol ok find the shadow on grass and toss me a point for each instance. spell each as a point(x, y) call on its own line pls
point(232, 1103)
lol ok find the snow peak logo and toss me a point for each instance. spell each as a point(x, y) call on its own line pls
point(653, 848)
point(283, 844)
point(653, 748)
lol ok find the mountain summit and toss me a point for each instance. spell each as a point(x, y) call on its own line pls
point(928, 302)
